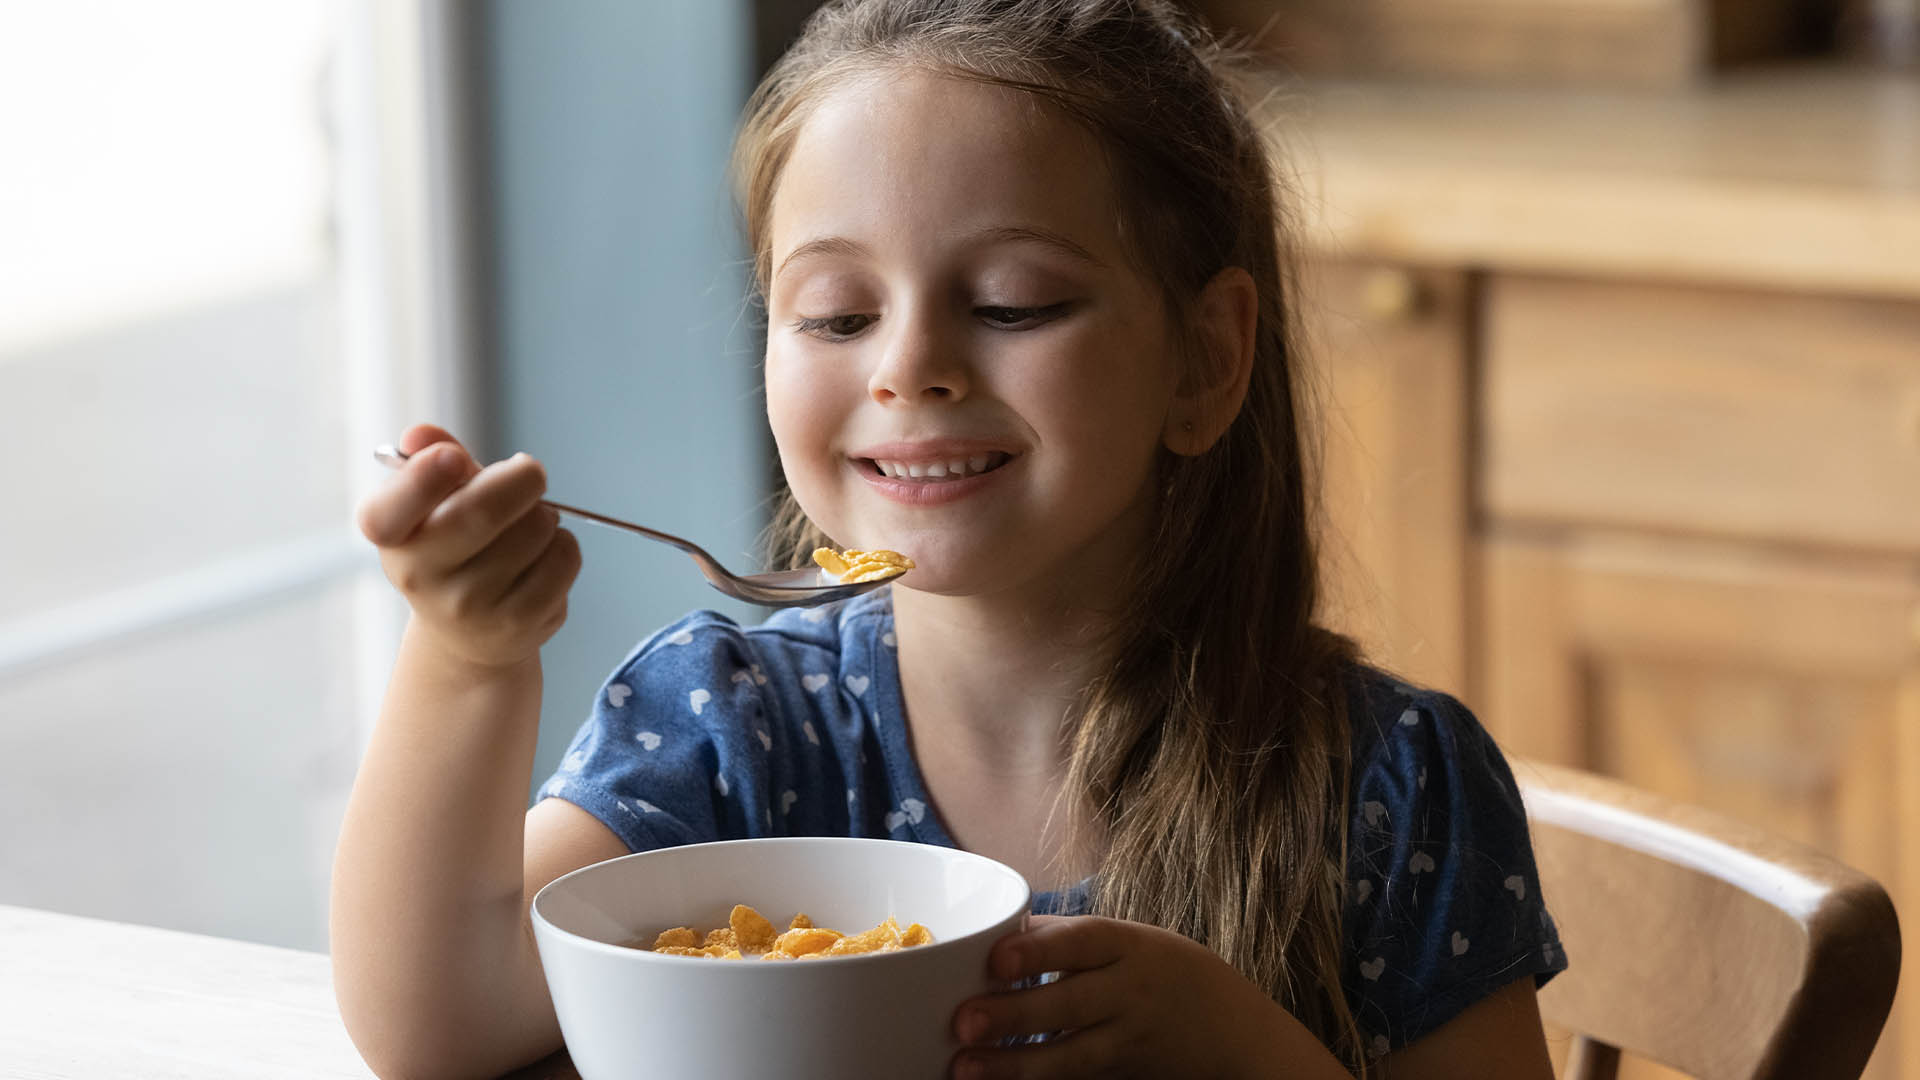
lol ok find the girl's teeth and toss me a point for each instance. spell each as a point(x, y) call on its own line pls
point(938, 470)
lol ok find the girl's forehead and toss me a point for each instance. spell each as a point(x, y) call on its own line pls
point(910, 157)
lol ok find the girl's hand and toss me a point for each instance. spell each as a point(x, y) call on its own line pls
point(1133, 1000)
point(484, 566)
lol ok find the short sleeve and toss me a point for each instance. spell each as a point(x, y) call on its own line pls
point(675, 749)
point(1443, 899)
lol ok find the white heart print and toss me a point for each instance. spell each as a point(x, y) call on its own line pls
point(1460, 943)
point(574, 761)
point(1381, 1046)
point(742, 676)
point(1409, 718)
point(684, 637)
point(1420, 863)
point(649, 740)
point(766, 740)
point(720, 784)
point(1517, 885)
point(910, 810)
point(814, 682)
point(647, 806)
point(787, 799)
point(857, 684)
point(1361, 890)
point(889, 640)
point(698, 699)
point(1371, 969)
point(806, 728)
point(1373, 811)
point(618, 693)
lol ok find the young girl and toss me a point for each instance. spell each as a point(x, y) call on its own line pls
point(1028, 324)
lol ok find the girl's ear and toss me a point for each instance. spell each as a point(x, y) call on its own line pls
point(1211, 392)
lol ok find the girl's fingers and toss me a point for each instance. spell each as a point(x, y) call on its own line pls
point(494, 570)
point(1075, 1001)
point(391, 515)
point(471, 518)
point(1092, 1051)
point(537, 590)
point(420, 436)
point(1053, 943)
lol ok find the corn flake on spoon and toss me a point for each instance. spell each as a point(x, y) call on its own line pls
point(781, 588)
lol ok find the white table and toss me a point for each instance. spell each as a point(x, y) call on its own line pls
point(85, 999)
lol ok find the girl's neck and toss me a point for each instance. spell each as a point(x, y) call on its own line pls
point(993, 677)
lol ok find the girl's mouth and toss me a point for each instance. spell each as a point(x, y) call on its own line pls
point(944, 471)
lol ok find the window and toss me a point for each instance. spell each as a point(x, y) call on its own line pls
point(206, 253)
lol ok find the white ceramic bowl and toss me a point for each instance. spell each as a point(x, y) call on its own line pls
point(629, 1014)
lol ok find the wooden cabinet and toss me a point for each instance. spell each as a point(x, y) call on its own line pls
point(1778, 689)
point(1779, 418)
point(1688, 540)
point(1385, 372)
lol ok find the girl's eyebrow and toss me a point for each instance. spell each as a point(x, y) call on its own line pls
point(999, 234)
point(822, 245)
point(1029, 234)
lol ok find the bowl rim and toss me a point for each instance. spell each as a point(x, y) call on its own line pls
point(649, 956)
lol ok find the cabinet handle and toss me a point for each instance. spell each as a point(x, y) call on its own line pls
point(1392, 295)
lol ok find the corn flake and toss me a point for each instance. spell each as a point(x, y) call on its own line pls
point(854, 566)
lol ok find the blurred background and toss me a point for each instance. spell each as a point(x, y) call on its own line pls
point(1613, 315)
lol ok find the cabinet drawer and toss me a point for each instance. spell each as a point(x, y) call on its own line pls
point(1704, 411)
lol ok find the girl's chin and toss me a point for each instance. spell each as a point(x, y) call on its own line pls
point(946, 576)
point(985, 577)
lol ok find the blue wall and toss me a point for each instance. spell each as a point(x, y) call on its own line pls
point(627, 358)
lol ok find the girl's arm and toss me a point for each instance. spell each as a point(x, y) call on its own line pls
point(1499, 1037)
point(434, 964)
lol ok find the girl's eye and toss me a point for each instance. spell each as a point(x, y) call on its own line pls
point(1019, 318)
point(833, 327)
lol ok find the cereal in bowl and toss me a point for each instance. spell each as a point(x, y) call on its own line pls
point(748, 933)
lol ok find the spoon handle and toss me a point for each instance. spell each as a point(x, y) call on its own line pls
point(394, 457)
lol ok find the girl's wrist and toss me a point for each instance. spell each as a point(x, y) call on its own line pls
point(443, 658)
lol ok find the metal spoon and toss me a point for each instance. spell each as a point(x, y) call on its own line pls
point(782, 588)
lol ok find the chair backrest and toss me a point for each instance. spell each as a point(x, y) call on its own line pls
point(1701, 943)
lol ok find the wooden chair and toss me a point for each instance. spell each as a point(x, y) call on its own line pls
point(1701, 943)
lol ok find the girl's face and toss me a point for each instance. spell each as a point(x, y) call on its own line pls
point(962, 363)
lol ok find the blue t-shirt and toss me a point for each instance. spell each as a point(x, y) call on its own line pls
point(709, 731)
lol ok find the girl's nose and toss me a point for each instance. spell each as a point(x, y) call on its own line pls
point(920, 361)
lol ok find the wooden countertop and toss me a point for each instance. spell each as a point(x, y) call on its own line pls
point(84, 999)
point(1805, 179)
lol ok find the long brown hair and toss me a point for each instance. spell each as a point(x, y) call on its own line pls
point(1212, 756)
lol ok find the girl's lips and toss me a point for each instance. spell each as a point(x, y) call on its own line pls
point(929, 492)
